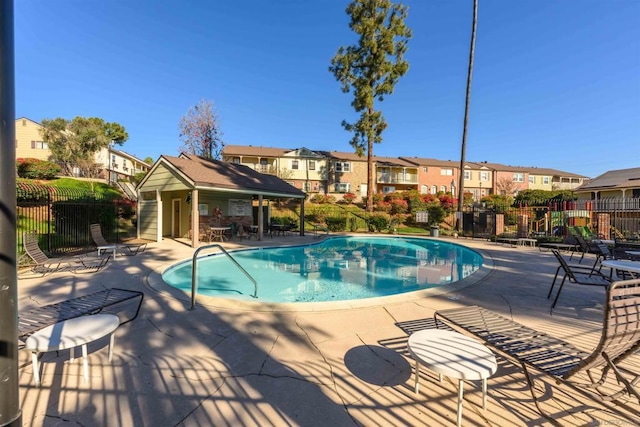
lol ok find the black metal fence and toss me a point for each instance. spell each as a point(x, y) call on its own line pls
point(606, 218)
point(61, 217)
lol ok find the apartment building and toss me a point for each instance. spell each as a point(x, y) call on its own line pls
point(115, 164)
point(435, 175)
point(29, 144)
point(347, 173)
point(554, 180)
point(395, 174)
point(336, 173)
point(303, 168)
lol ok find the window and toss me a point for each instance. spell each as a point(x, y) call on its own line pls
point(39, 145)
point(307, 187)
point(448, 172)
point(545, 180)
point(343, 167)
point(236, 160)
point(467, 174)
point(342, 187)
point(443, 188)
point(434, 189)
point(425, 169)
point(424, 189)
point(388, 189)
point(532, 179)
point(294, 164)
point(518, 177)
point(312, 165)
point(484, 176)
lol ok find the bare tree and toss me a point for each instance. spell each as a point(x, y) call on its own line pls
point(200, 131)
point(506, 187)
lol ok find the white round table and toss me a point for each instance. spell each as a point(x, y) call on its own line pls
point(70, 334)
point(621, 264)
point(454, 355)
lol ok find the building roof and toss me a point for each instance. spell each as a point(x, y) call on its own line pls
point(342, 155)
point(128, 156)
point(421, 161)
point(614, 180)
point(554, 172)
point(393, 161)
point(250, 150)
point(223, 176)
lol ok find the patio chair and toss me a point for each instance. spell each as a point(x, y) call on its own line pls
point(578, 274)
point(585, 247)
point(602, 253)
point(43, 264)
point(123, 248)
point(566, 363)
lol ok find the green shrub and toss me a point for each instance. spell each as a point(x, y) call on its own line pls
point(436, 213)
point(353, 224)
point(37, 169)
point(378, 222)
point(323, 199)
point(337, 223)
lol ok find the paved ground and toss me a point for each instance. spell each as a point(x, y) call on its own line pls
point(228, 364)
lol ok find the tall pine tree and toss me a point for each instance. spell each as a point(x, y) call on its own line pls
point(371, 68)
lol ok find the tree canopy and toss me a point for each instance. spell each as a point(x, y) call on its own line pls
point(371, 68)
point(200, 131)
point(74, 143)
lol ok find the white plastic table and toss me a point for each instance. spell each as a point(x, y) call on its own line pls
point(527, 242)
point(620, 264)
point(111, 248)
point(217, 233)
point(454, 355)
point(70, 334)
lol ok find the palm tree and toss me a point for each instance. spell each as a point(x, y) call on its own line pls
point(466, 114)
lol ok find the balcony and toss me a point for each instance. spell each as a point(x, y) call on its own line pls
point(263, 169)
point(396, 178)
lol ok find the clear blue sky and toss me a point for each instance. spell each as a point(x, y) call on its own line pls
point(556, 83)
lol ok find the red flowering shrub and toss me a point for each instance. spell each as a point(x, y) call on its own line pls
point(348, 198)
point(36, 169)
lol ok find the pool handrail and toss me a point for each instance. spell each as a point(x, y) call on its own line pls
point(194, 276)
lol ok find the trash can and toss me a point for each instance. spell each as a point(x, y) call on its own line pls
point(434, 231)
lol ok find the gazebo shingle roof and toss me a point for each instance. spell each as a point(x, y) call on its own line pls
point(211, 174)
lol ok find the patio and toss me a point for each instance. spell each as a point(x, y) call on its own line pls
point(228, 363)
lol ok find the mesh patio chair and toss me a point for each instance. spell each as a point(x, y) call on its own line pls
point(122, 248)
point(585, 247)
point(578, 274)
point(44, 264)
point(531, 348)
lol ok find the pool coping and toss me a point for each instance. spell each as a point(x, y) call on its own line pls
point(154, 281)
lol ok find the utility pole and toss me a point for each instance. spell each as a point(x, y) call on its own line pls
point(10, 414)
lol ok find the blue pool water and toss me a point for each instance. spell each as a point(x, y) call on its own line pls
point(339, 268)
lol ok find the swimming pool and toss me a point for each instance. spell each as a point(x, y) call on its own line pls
point(336, 269)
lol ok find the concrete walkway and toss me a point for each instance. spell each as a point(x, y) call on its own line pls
point(232, 364)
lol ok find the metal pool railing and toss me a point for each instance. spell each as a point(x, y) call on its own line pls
point(194, 276)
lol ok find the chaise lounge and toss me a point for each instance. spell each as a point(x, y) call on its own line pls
point(44, 264)
point(563, 361)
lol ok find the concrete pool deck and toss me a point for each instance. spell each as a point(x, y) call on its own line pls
point(229, 364)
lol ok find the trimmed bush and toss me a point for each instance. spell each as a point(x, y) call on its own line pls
point(337, 223)
point(378, 222)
